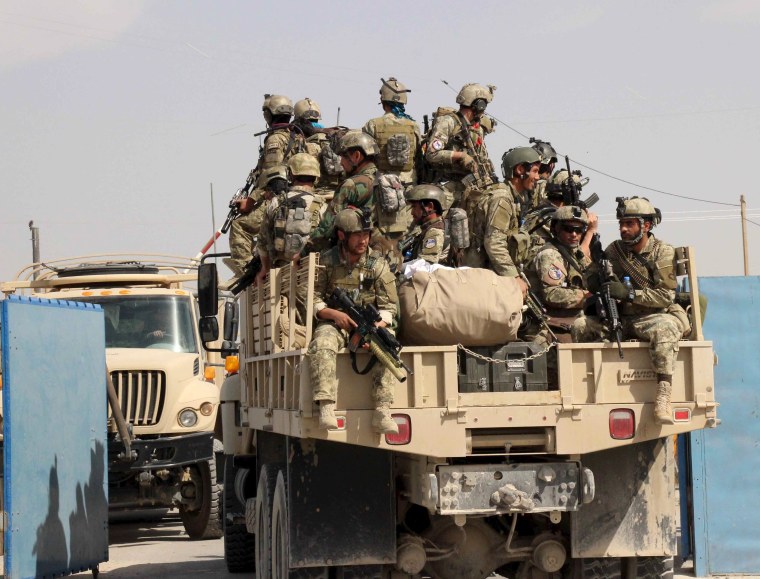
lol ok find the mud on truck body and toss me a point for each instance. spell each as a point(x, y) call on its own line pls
point(493, 469)
point(161, 436)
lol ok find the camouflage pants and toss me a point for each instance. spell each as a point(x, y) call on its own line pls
point(323, 352)
point(662, 331)
point(243, 238)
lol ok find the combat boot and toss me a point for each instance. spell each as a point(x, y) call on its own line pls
point(663, 413)
point(382, 421)
point(327, 420)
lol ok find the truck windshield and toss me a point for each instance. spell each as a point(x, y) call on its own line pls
point(160, 322)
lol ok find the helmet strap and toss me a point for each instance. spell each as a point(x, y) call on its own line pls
point(632, 242)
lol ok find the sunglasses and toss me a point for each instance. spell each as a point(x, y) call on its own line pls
point(579, 229)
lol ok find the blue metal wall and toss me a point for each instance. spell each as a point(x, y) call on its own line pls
point(726, 461)
point(54, 410)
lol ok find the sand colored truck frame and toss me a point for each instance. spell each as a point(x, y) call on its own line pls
point(166, 400)
point(493, 468)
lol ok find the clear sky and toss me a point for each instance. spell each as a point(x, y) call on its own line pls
point(116, 116)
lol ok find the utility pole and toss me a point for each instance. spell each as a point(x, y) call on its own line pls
point(35, 246)
point(743, 205)
point(213, 217)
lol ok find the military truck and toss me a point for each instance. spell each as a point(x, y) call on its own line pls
point(165, 383)
point(493, 468)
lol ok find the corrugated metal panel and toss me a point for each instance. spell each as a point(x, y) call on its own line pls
point(725, 460)
point(54, 404)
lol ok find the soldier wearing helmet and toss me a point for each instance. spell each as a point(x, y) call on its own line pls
point(648, 311)
point(427, 203)
point(396, 133)
point(358, 153)
point(290, 216)
point(352, 266)
point(455, 148)
point(548, 162)
point(243, 233)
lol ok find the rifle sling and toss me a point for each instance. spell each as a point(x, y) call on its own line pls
point(569, 257)
point(367, 368)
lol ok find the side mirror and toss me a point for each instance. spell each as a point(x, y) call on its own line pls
point(208, 326)
point(228, 349)
point(230, 321)
point(208, 294)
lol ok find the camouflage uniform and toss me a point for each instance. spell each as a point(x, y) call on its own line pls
point(357, 191)
point(370, 281)
point(243, 233)
point(386, 126)
point(645, 318)
point(446, 137)
point(494, 217)
point(430, 244)
point(272, 236)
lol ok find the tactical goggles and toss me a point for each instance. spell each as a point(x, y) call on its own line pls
point(579, 229)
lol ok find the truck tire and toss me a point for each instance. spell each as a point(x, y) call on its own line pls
point(651, 568)
point(239, 544)
point(206, 522)
point(280, 531)
point(263, 536)
point(602, 568)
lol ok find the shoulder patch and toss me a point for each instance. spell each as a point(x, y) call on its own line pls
point(436, 145)
point(430, 242)
point(555, 273)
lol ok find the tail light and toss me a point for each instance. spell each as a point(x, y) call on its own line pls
point(681, 415)
point(404, 435)
point(622, 423)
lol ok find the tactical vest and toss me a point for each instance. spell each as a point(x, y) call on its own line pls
point(359, 281)
point(294, 219)
point(396, 141)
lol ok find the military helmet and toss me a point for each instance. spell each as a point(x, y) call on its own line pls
point(545, 149)
point(637, 207)
point(472, 92)
point(518, 156)
point(307, 109)
point(303, 165)
point(570, 213)
point(277, 105)
point(392, 91)
point(269, 175)
point(488, 124)
point(428, 193)
point(352, 220)
point(356, 139)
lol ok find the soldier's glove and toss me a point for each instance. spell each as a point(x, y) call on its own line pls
point(617, 290)
point(468, 163)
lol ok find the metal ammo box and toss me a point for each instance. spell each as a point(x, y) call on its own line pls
point(516, 375)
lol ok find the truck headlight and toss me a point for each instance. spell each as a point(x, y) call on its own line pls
point(188, 418)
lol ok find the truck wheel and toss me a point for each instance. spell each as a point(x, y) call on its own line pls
point(280, 538)
point(263, 537)
point(206, 522)
point(602, 568)
point(239, 544)
point(651, 568)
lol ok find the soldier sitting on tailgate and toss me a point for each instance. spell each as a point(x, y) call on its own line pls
point(351, 265)
point(290, 217)
point(645, 307)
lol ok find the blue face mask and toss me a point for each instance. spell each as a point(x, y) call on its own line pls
point(316, 125)
point(398, 110)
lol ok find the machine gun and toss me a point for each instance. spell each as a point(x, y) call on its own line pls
point(252, 269)
point(382, 343)
point(241, 194)
point(606, 306)
point(535, 308)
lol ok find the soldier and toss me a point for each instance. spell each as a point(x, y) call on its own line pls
point(352, 266)
point(648, 262)
point(396, 133)
point(455, 148)
point(280, 144)
point(548, 161)
point(556, 272)
point(290, 217)
point(271, 183)
point(427, 203)
point(307, 116)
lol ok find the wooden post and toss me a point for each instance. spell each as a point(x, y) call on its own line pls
point(743, 204)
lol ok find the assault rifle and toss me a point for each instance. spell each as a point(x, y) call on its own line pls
point(535, 308)
point(606, 306)
point(482, 177)
point(241, 194)
point(382, 343)
point(571, 191)
point(251, 270)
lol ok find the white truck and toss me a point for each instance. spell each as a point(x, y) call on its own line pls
point(493, 469)
point(165, 383)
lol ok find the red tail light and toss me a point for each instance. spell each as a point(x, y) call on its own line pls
point(622, 423)
point(682, 415)
point(404, 435)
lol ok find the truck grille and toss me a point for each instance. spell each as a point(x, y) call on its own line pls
point(141, 395)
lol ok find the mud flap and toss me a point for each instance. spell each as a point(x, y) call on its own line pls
point(634, 510)
point(340, 504)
